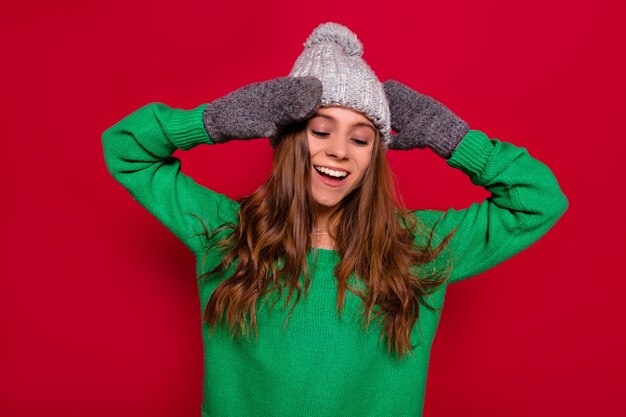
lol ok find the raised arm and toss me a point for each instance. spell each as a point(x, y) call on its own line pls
point(525, 202)
point(138, 154)
point(138, 149)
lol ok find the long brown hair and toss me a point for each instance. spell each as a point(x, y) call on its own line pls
point(375, 239)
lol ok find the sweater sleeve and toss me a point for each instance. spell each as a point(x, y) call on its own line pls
point(138, 154)
point(525, 202)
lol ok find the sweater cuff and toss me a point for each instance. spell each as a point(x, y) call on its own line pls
point(186, 128)
point(472, 153)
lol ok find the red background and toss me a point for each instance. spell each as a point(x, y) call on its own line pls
point(99, 313)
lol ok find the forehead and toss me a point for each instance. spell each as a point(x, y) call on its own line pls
point(341, 114)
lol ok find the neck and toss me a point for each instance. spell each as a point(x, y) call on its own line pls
point(323, 227)
point(322, 216)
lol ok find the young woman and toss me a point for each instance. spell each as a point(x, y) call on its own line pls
point(320, 294)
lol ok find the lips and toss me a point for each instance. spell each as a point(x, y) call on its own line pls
point(331, 176)
point(331, 172)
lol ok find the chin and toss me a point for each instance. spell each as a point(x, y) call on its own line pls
point(326, 202)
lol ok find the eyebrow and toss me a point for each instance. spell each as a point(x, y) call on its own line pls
point(357, 124)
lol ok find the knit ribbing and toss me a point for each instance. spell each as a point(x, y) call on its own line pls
point(186, 129)
point(472, 153)
point(323, 256)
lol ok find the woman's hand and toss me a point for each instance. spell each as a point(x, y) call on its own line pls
point(420, 121)
point(261, 110)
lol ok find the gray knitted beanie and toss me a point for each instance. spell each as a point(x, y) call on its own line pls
point(332, 53)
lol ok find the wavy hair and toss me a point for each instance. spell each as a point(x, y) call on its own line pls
point(376, 240)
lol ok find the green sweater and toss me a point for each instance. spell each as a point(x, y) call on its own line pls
point(321, 364)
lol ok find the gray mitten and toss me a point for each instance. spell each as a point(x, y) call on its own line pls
point(422, 121)
point(261, 110)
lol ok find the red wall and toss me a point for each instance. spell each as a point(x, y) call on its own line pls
point(98, 303)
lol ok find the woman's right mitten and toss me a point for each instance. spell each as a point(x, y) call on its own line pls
point(262, 109)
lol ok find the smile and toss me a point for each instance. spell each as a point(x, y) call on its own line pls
point(334, 173)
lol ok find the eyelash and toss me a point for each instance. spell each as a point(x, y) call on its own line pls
point(320, 134)
point(359, 142)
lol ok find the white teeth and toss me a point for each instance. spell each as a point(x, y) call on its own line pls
point(331, 172)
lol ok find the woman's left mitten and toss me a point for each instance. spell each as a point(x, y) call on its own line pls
point(421, 121)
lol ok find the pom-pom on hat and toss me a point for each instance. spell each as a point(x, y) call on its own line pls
point(332, 53)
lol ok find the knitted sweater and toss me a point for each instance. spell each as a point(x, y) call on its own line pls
point(321, 364)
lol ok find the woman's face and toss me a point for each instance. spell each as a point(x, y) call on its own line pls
point(341, 143)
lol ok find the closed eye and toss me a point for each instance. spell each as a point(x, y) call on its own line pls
point(360, 142)
point(320, 134)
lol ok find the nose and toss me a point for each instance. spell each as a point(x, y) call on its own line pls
point(337, 148)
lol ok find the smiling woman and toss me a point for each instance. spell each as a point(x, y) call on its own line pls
point(327, 225)
point(340, 143)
